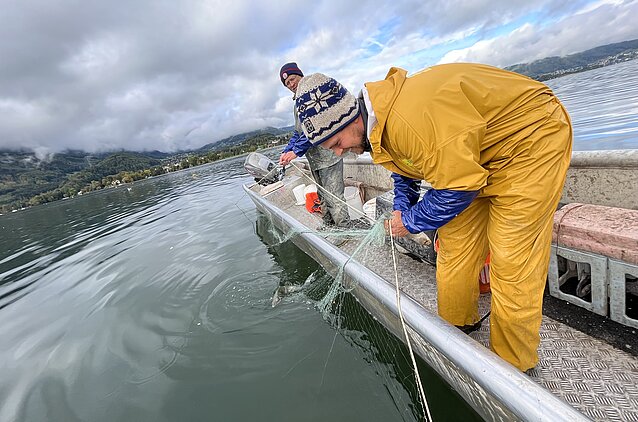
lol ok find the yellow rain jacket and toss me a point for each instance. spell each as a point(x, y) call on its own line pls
point(472, 127)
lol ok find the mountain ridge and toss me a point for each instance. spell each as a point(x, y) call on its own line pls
point(556, 66)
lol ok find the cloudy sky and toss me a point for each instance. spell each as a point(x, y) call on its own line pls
point(174, 75)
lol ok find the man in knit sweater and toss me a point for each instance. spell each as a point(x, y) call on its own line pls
point(326, 167)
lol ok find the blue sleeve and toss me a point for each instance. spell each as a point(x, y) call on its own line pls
point(291, 142)
point(406, 192)
point(298, 144)
point(436, 209)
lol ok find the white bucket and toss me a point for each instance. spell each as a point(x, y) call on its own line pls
point(300, 197)
point(353, 199)
point(309, 188)
point(370, 208)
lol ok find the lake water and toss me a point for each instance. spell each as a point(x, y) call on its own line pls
point(603, 104)
point(154, 303)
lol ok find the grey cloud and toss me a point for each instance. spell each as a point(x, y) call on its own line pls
point(156, 74)
point(95, 76)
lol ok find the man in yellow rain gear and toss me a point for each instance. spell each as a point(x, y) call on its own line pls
point(495, 146)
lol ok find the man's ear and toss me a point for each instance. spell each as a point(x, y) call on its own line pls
point(360, 122)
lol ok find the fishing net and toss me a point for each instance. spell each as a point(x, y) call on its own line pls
point(392, 357)
point(389, 355)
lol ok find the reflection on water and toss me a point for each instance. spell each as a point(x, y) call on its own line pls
point(100, 294)
point(154, 304)
point(382, 350)
point(603, 105)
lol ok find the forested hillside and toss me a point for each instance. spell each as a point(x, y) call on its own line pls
point(552, 67)
point(22, 175)
point(26, 180)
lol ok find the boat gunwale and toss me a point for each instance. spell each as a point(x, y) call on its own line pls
point(621, 159)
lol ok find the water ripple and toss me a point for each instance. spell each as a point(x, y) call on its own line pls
point(603, 105)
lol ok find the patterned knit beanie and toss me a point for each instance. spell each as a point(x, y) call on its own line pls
point(324, 107)
point(289, 69)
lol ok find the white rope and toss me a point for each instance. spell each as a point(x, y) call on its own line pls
point(417, 376)
point(424, 403)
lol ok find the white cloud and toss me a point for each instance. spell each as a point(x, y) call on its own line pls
point(158, 75)
point(613, 22)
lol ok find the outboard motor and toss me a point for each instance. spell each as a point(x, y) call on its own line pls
point(262, 168)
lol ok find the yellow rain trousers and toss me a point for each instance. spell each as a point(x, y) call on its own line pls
point(475, 127)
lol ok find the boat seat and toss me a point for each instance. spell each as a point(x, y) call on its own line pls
point(598, 246)
point(607, 231)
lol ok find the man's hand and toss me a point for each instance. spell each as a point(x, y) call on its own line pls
point(287, 157)
point(398, 229)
